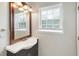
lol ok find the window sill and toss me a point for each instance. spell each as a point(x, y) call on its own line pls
point(56, 31)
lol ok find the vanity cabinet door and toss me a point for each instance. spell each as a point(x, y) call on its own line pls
point(33, 51)
point(20, 53)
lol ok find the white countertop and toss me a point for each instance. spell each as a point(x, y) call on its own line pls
point(27, 44)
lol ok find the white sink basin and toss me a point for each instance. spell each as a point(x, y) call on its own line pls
point(27, 44)
point(30, 42)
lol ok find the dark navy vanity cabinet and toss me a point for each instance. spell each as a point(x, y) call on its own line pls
point(26, 52)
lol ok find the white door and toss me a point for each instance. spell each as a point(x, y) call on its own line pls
point(78, 29)
point(4, 19)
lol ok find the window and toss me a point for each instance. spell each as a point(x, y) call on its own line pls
point(51, 18)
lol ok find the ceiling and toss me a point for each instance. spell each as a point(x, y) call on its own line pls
point(42, 4)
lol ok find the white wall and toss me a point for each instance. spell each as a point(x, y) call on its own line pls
point(35, 24)
point(4, 24)
point(57, 44)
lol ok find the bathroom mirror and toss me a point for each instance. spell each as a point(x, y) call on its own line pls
point(20, 23)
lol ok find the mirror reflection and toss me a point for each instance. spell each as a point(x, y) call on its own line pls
point(20, 20)
point(21, 23)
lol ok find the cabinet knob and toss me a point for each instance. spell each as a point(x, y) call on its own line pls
point(78, 7)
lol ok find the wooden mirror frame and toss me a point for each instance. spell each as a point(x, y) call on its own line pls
point(11, 26)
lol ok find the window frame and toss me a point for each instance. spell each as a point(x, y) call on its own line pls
point(61, 15)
